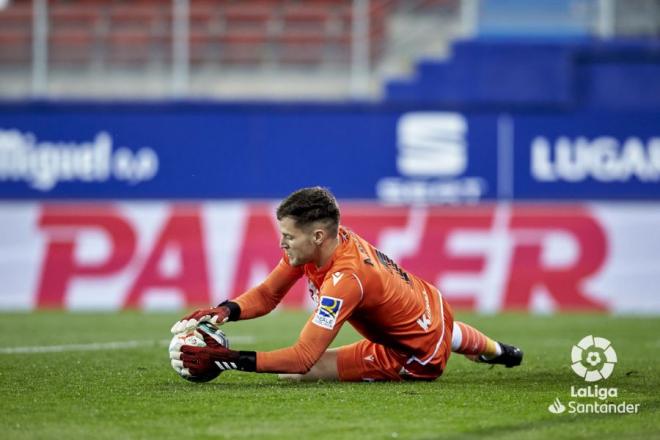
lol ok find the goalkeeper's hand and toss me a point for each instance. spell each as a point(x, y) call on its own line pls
point(215, 315)
point(198, 360)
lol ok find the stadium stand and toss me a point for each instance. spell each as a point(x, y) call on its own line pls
point(98, 48)
point(15, 34)
point(253, 32)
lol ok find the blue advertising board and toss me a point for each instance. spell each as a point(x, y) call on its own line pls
point(222, 151)
point(396, 154)
point(587, 155)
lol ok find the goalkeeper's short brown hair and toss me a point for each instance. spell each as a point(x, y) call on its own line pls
point(311, 205)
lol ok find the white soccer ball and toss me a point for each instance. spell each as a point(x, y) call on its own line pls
point(196, 339)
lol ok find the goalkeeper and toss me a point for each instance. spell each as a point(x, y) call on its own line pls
point(408, 327)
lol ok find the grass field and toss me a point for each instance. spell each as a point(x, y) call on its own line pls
point(117, 392)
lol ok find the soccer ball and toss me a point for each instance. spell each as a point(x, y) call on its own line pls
point(196, 339)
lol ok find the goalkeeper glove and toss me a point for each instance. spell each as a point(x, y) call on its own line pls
point(198, 360)
point(226, 311)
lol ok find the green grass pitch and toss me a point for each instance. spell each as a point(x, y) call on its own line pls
point(132, 393)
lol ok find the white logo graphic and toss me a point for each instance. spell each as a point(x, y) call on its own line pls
point(424, 322)
point(336, 277)
point(593, 358)
point(432, 159)
point(43, 164)
point(226, 365)
point(556, 407)
point(431, 144)
point(604, 159)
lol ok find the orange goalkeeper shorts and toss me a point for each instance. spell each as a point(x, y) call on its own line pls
point(367, 361)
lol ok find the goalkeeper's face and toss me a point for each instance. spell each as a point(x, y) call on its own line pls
point(300, 244)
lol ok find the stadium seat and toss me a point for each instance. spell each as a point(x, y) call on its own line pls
point(331, 4)
point(204, 19)
point(271, 4)
point(72, 32)
point(15, 47)
point(84, 3)
point(300, 47)
point(16, 17)
point(203, 48)
point(15, 34)
point(71, 46)
point(129, 47)
point(243, 47)
point(247, 18)
point(137, 17)
point(305, 18)
point(138, 33)
point(73, 16)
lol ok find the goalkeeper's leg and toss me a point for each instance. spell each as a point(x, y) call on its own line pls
point(478, 347)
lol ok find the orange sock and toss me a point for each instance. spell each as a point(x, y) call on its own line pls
point(472, 343)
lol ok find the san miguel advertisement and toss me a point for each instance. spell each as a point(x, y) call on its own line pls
point(157, 255)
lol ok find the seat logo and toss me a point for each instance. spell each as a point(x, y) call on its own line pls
point(432, 144)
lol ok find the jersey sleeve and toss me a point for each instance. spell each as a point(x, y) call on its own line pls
point(263, 298)
point(339, 295)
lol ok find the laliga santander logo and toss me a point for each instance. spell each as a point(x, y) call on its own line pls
point(593, 358)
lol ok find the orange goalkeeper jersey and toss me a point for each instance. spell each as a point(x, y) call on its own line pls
point(360, 285)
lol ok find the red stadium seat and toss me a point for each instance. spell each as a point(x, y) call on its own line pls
point(270, 4)
point(72, 46)
point(63, 17)
point(16, 17)
point(204, 19)
point(83, 3)
point(301, 47)
point(16, 34)
point(247, 18)
point(15, 47)
point(138, 34)
point(130, 47)
point(243, 47)
point(203, 48)
point(305, 18)
point(208, 4)
point(331, 4)
point(143, 18)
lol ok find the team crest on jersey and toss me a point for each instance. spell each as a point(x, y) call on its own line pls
point(327, 313)
point(313, 292)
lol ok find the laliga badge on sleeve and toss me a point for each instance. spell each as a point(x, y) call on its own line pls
point(327, 313)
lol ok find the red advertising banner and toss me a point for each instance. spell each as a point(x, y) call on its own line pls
point(541, 258)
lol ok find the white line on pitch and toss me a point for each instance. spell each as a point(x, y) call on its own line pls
point(97, 346)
